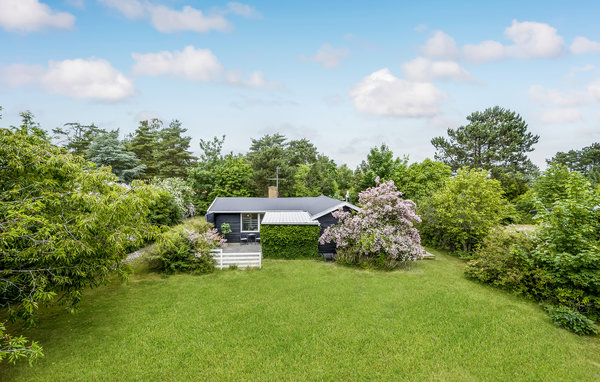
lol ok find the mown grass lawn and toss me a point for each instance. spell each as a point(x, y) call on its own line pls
point(306, 320)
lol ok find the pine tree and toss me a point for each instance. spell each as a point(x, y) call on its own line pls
point(145, 145)
point(173, 157)
point(107, 150)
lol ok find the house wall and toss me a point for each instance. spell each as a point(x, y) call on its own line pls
point(234, 222)
point(326, 221)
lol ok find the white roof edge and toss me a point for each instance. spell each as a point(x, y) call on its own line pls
point(209, 207)
point(337, 206)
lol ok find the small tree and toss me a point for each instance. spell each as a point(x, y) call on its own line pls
point(382, 233)
point(460, 214)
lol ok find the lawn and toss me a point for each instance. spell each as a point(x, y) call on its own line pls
point(297, 320)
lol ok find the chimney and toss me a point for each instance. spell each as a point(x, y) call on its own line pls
point(272, 192)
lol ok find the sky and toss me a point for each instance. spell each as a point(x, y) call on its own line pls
point(347, 75)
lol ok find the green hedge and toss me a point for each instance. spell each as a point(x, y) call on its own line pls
point(290, 241)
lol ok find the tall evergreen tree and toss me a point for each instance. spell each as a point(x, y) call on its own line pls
point(496, 140)
point(174, 158)
point(266, 155)
point(586, 161)
point(107, 150)
point(144, 144)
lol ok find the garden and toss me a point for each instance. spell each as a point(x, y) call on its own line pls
point(513, 292)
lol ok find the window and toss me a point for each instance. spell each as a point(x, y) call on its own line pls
point(251, 222)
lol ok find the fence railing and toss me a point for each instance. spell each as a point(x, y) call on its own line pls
point(240, 259)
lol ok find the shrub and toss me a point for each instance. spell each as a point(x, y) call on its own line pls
point(225, 228)
point(164, 210)
point(381, 234)
point(186, 248)
point(290, 241)
point(461, 213)
point(505, 260)
point(571, 320)
point(181, 193)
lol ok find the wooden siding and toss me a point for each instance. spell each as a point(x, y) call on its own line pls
point(326, 221)
point(234, 222)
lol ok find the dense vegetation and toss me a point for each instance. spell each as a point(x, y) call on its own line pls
point(290, 241)
point(72, 205)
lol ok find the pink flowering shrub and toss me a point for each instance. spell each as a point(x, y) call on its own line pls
point(382, 233)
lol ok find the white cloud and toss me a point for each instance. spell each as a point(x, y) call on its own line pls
point(531, 40)
point(90, 78)
point(132, 9)
point(440, 46)
point(382, 93)
point(20, 74)
point(257, 80)
point(484, 51)
point(243, 10)
point(197, 65)
point(168, 20)
point(191, 63)
point(422, 69)
point(582, 45)
point(555, 97)
point(31, 16)
point(561, 116)
point(328, 56)
point(594, 88)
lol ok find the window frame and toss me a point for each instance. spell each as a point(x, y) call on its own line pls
point(259, 220)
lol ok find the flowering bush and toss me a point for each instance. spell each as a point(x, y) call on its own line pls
point(382, 233)
point(186, 248)
point(181, 193)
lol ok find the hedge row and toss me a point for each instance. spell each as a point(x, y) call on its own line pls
point(290, 241)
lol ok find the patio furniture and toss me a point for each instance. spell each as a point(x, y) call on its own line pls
point(243, 239)
point(328, 256)
point(251, 238)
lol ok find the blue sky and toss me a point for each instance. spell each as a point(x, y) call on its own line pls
point(348, 75)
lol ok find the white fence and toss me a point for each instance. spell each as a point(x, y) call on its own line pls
point(240, 259)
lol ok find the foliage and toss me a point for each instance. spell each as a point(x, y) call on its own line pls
point(225, 228)
point(571, 320)
point(107, 150)
point(381, 234)
point(186, 248)
point(420, 180)
point(380, 164)
point(460, 214)
point(173, 156)
point(181, 193)
point(585, 161)
point(289, 241)
point(15, 348)
point(64, 225)
point(164, 210)
point(505, 260)
point(266, 156)
point(318, 178)
point(144, 143)
point(217, 175)
point(76, 138)
point(496, 140)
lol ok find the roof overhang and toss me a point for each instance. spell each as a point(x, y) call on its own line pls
point(335, 208)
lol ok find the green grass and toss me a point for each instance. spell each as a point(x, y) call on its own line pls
point(306, 320)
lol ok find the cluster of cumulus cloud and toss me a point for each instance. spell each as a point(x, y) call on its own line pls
point(412, 94)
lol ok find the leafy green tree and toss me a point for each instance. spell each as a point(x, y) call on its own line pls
point(318, 178)
point(380, 163)
point(460, 214)
point(174, 158)
point(419, 180)
point(496, 140)
point(107, 150)
point(145, 145)
point(76, 138)
point(301, 151)
point(64, 226)
point(586, 161)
